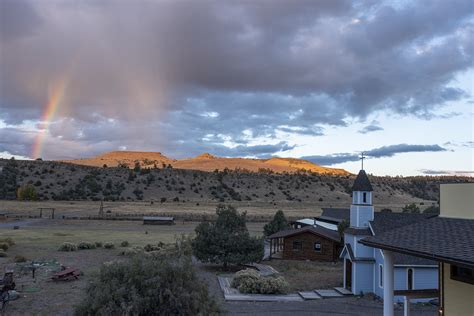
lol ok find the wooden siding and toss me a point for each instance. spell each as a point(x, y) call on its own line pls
point(329, 248)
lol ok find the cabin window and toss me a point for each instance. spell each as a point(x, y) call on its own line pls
point(380, 275)
point(297, 245)
point(317, 246)
point(410, 279)
point(364, 197)
point(462, 274)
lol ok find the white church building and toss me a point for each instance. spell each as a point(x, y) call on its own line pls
point(363, 265)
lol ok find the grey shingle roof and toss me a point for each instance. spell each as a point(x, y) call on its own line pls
point(335, 214)
point(442, 239)
point(330, 234)
point(362, 182)
point(350, 252)
point(385, 221)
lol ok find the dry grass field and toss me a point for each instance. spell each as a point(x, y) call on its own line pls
point(189, 211)
point(39, 239)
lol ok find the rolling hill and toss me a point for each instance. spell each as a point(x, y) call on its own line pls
point(204, 162)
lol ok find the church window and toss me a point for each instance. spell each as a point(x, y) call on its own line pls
point(410, 279)
point(380, 275)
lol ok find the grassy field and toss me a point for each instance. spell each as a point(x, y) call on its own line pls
point(256, 211)
point(39, 239)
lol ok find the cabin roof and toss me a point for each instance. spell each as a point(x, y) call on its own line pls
point(318, 230)
point(158, 218)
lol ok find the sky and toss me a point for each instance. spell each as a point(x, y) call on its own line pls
point(320, 80)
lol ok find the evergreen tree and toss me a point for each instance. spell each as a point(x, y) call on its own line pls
point(411, 208)
point(8, 184)
point(227, 241)
point(278, 223)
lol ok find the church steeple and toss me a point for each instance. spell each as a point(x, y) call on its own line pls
point(362, 210)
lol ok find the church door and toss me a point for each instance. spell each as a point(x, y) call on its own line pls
point(348, 268)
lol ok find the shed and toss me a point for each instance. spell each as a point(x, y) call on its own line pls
point(158, 220)
point(307, 243)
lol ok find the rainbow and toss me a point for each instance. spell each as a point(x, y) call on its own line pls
point(55, 98)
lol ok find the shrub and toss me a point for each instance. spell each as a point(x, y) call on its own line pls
point(124, 288)
point(67, 246)
point(8, 240)
point(109, 245)
point(129, 252)
point(98, 244)
point(273, 285)
point(251, 282)
point(124, 243)
point(20, 258)
point(4, 246)
point(151, 247)
point(86, 245)
point(3, 254)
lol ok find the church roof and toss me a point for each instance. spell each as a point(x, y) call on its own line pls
point(362, 182)
point(442, 239)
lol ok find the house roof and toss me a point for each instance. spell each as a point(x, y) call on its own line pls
point(318, 230)
point(362, 182)
point(157, 218)
point(335, 214)
point(448, 240)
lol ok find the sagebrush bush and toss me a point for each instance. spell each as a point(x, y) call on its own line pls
point(251, 282)
point(20, 258)
point(124, 288)
point(132, 251)
point(109, 245)
point(124, 243)
point(86, 245)
point(98, 244)
point(152, 247)
point(8, 240)
point(273, 285)
point(4, 246)
point(67, 246)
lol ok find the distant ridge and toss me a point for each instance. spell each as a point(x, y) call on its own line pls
point(204, 162)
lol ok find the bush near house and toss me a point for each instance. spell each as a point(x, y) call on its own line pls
point(227, 241)
point(250, 281)
point(278, 223)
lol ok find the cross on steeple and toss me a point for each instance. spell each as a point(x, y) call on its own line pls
point(362, 157)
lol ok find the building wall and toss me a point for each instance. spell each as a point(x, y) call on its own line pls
point(362, 277)
point(328, 250)
point(361, 215)
point(457, 200)
point(458, 296)
point(423, 278)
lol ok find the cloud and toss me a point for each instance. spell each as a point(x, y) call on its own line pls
point(262, 67)
point(431, 172)
point(372, 127)
point(380, 152)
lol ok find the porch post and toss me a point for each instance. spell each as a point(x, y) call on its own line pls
point(388, 284)
point(406, 306)
point(271, 248)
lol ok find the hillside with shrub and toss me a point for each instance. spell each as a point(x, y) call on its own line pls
point(48, 180)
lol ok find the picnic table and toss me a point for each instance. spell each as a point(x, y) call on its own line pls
point(67, 274)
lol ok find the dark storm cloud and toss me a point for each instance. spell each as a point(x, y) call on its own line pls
point(221, 68)
point(380, 152)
